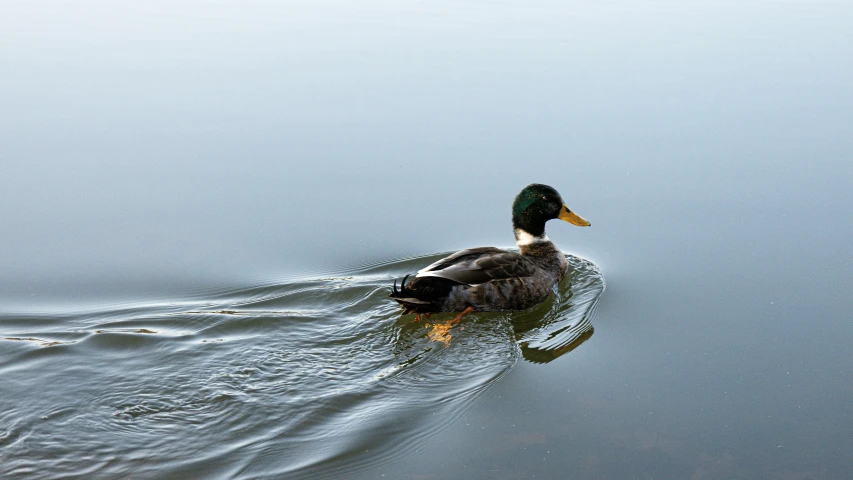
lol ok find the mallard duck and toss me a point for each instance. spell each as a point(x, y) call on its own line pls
point(490, 279)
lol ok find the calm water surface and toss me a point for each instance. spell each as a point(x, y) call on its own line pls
point(203, 207)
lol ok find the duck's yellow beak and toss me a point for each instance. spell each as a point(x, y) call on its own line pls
point(567, 215)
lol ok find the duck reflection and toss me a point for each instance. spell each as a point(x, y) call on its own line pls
point(572, 336)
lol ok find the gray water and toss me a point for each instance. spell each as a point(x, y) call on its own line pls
point(203, 206)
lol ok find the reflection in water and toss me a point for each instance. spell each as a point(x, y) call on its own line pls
point(563, 322)
point(304, 376)
point(536, 355)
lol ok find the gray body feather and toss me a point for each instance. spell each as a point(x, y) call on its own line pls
point(491, 279)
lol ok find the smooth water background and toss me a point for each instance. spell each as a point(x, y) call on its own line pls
point(173, 157)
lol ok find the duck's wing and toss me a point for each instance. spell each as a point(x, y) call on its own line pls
point(474, 266)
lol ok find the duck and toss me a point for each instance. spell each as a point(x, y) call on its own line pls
point(488, 279)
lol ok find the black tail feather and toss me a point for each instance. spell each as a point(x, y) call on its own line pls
point(402, 291)
point(423, 294)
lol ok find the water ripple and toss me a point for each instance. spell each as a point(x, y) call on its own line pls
point(300, 378)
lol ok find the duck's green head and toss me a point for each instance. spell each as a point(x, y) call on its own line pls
point(537, 204)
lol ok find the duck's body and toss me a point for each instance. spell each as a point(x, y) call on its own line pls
point(490, 279)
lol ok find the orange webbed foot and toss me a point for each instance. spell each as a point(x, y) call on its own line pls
point(441, 332)
point(468, 309)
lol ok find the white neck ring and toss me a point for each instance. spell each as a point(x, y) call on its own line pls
point(525, 238)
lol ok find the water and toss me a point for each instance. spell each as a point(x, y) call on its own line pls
point(203, 207)
point(270, 380)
